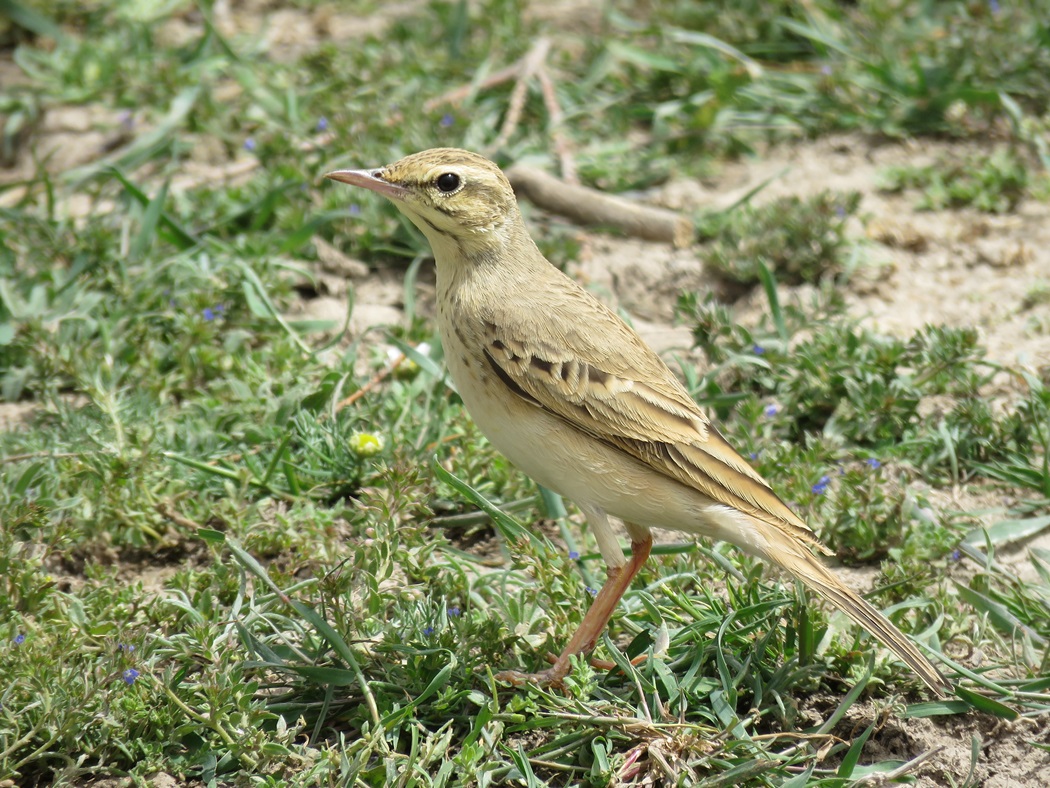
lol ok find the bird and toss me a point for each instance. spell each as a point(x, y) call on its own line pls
point(575, 398)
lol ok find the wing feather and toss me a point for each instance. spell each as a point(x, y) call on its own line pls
point(655, 421)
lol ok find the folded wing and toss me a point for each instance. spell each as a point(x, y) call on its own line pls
point(655, 421)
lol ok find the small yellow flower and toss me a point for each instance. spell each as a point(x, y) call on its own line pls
point(366, 444)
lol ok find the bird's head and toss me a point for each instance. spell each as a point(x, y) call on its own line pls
point(456, 198)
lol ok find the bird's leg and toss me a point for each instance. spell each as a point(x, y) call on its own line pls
point(617, 581)
point(594, 622)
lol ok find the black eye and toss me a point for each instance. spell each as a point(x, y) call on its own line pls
point(448, 182)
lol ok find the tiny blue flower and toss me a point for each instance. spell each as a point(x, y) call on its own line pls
point(322, 123)
point(771, 410)
point(249, 144)
point(208, 313)
point(840, 212)
point(454, 612)
point(573, 555)
point(753, 455)
point(592, 591)
point(447, 120)
point(993, 6)
point(428, 631)
point(825, 70)
point(122, 647)
point(758, 350)
point(129, 676)
point(873, 463)
point(20, 639)
point(355, 209)
point(821, 486)
point(956, 555)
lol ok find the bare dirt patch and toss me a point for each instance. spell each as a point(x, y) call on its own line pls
point(15, 414)
point(1005, 755)
point(952, 267)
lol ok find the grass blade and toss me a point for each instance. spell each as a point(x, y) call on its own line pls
point(144, 240)
point(769, 285)
point(511, 529)
point(1008, 531)
point(1005, 621)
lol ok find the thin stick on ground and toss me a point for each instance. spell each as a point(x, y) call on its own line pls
point(463, 92)
point(590, 207)
point(561, 144)
point(374, 381)
point(527, 68)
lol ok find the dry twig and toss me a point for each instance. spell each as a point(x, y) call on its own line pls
point(531, 66)
point(527, 68)
point(374, 381)
point(588, 206)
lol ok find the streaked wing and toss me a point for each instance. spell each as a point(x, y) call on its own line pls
point(655, 421)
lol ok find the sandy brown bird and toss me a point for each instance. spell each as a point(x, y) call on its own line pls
point(574, 397)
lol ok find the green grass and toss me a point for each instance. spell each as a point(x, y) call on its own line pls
point(797, 240)
point(994, 183)
point(208, 568)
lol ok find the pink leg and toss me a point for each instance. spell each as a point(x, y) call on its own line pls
point(593, 624)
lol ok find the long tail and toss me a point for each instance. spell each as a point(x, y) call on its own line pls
point(787, 552)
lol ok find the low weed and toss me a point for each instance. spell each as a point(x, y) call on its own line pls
point(799, 240)
point(994, 182)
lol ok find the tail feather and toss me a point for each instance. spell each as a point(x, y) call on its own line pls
point(802, 564)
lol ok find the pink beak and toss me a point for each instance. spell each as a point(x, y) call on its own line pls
point(370, 179)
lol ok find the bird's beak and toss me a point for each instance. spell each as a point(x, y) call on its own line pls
point(370, 179)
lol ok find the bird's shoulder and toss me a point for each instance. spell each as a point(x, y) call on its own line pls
point(559, 324)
